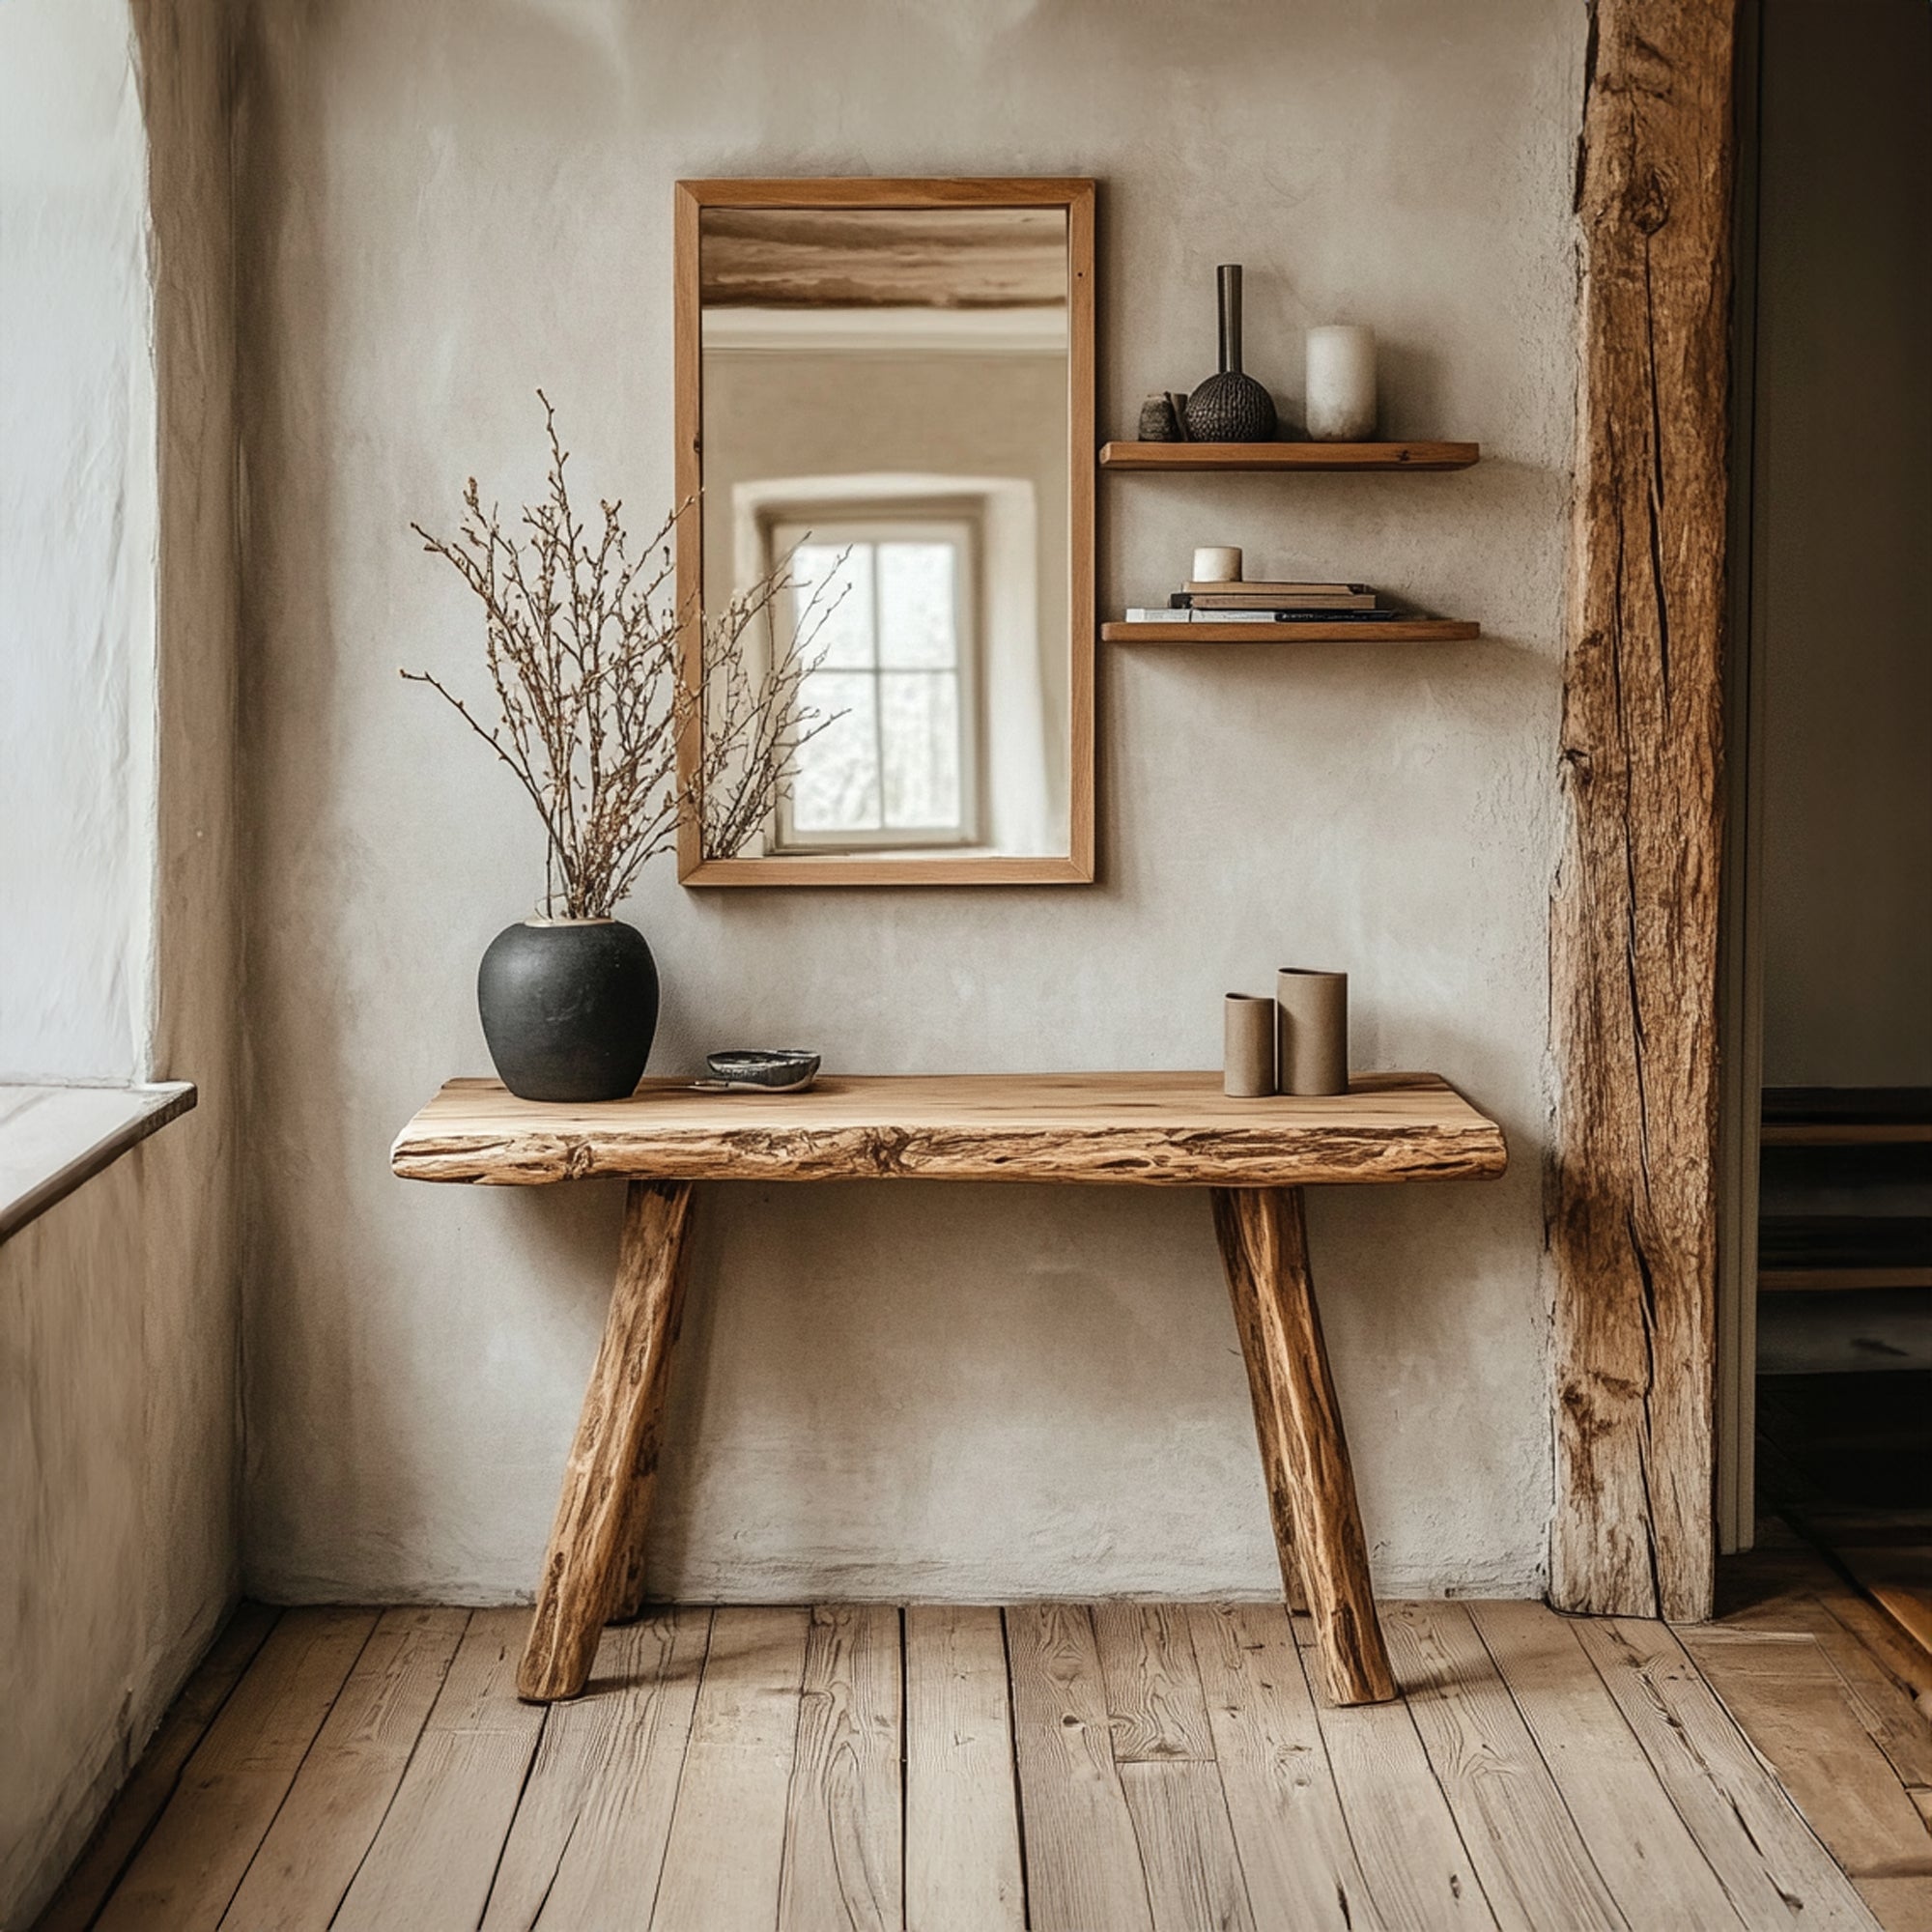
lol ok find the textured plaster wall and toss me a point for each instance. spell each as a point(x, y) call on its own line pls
point(119, 1308)
point(901, 1388)
point(1842, 508)
point(76, 546)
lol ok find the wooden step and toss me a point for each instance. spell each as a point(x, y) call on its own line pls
point(1806, 1252)
point(1846, 1116)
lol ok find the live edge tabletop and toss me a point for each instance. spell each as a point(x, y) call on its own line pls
point(1143, 1129)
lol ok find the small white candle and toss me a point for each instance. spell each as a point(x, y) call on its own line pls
point(1217, 563)
point(1341, 393)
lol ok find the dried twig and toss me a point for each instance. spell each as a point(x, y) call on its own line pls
point(582, 644)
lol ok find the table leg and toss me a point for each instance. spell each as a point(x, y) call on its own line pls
point(1310, 1486)
point(594, 1563)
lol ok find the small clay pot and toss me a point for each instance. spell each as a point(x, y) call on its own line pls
point(569, 1007)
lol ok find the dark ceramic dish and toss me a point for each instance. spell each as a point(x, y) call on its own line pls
point(765, 1070)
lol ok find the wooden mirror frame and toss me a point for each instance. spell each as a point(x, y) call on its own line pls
point(1077, 197)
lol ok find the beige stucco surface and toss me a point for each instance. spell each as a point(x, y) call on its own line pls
point(119, 1307)
point(902, 1389)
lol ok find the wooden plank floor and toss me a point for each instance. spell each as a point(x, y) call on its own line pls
point(1115, 1768)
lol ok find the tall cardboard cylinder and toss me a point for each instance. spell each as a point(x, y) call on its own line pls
point(1312, 1012)
point(1247, 1054)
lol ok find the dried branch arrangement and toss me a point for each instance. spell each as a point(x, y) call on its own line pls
point(582, 642)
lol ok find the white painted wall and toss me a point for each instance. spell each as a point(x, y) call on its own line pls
point(119, 1307)
point(902, 1388)
point(1842, 511)
point(77, 547)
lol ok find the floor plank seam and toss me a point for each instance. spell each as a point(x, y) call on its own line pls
point(147, 1831)
point(1013, 1759)
point(1323, 1711)
point(671, 1824)
point(523, 1791)
point(409, 1758)
point(905, 1762)
point(1556, 1782)
point(281, 1803)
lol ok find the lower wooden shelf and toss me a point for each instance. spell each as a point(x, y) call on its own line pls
point(1405, 631)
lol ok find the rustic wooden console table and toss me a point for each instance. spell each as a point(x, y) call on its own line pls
point(1137, 1129)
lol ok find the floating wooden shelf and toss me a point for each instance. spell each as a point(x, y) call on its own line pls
point(1812, 1281)
point(1409, 630)
point(1191, 456)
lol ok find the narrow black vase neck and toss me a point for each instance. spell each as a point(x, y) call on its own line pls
point(1229, 278)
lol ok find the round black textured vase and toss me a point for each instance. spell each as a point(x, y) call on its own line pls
point(569, 1007)
point(1230, 407)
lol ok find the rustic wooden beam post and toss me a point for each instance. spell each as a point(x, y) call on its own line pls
point(1633, 929)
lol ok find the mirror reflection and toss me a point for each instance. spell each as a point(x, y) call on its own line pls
point(885, 404)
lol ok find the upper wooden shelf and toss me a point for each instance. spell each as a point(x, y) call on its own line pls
point(1152, 1129)
point(1190, 456)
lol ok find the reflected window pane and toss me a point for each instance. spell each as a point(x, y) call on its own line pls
point(917, 621)
point(831, 599)
point(920, 730)
point(836, 784)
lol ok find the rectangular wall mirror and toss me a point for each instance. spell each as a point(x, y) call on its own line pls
point(885, 391)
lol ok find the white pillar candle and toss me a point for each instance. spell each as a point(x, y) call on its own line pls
point(1217, 563)
point(1340, 395)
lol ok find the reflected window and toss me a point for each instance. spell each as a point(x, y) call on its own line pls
point(889, 611)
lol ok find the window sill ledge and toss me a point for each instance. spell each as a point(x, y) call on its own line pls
point(54, 1138)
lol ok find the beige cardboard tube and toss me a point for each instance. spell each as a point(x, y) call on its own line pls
point(1312, 1010)
point(1217, 563)
point(1247, 1056)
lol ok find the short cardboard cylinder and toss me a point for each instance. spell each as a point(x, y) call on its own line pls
point(1312, 1012)
point(1217, 563)
point(1247, 1053)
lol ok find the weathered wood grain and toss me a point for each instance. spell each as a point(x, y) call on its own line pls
point(962, 1829)
point(1634, 925)
point(596, 1542)
point(1295, 1852)
point(1298, 1424)
point(723, 1863)
point(234, 1782)
point(1899, 1904)
point(343, 1791)
point(1791, 1702)
point(1155, 1705)
point(1418, 1870)
point(1646, 1853)
point(949, 258)
point(1245, 1294)
point(843, 1839)
point(1083, 1860)
point(1146, 1129)
point(588, 1847)
point(1774, 1869)
point(1187, 1847)
point(1535, 1868)
point(430, 1865)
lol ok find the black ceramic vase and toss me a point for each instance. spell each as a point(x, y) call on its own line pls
point(569, 1007)
point(1230, 407)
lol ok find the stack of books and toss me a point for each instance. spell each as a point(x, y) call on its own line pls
point(1271, 604)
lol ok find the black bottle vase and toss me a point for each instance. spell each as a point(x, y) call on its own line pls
point(1230, 407)
point(569, 1007)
